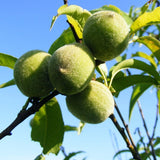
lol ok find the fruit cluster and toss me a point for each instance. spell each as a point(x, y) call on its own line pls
point(71, 68)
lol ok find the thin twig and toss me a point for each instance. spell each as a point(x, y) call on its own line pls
point(121, 131)
point(24, 114)
point(126, 127)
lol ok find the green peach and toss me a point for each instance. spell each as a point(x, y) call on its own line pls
point(93, 105)
point(106, 33)
point(31, 74)
point(71, 68)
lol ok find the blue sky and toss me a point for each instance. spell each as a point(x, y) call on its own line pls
point(25, 26)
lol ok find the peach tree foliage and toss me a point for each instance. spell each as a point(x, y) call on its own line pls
point(48, 127)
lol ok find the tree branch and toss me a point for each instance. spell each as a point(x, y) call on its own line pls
point(24, 114)
point(121, 131)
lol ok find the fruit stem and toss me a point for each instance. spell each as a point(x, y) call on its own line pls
point(121, 131)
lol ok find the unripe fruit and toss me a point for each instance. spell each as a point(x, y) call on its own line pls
point(31, 74)
point(93, 105)
point(106, 33)
point(71, 68)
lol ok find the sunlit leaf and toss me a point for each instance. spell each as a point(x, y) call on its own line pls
point(115, 9)
point(40, 157)
point(137, 64)
point(146, 56)
point(48, 127)
point(76, 15)
point(137, 92)
point(65, 38)
point(7, 60)
point(122, 83)
point(102, 69)
point(7, 84)
point(78, 29)
point(148, 18)
point(152, 43)
point(156, 141)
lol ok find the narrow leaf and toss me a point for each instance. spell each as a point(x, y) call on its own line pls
point(102, 69)
point(65, 38)
point(137, 92)
point(158, 97)
point(7, 60)
point(148, 18)
point(7, 84)
point(133, 63)
point(122, 83)
point(72, 155)
point(120, 152)
point(152, 43)
point(48, 127)
point(40, 157)
point(146, 56)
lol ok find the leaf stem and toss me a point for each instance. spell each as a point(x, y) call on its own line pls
point(24, 114)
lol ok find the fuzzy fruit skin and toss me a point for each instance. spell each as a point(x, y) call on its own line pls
point(31, 74)
point(106, 33)
point(93, 105)
point(71, 68)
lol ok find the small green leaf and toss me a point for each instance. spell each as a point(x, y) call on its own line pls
point(137, 92)
point(158, 97)
point(7, 84)
point(133, 63)
point(152, 43)
point(148, 18)
point(120, 152)
point(76, 15)
point(40, 157)
point(7, 60)
point(70, 155)
point(102, 69)
point(48, 127)
point(65, 38)
point(122, 83)
point(146, 56)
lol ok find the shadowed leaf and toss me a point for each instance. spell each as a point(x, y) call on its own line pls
point(48, 127)
point(65, 38)
point(137, 92)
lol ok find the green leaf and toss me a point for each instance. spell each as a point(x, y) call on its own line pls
point(133, 63)
point(137, 92)
point(40, 157)
point(48, 127)
point(152, 43)
point(146, 56)
point(72, 155)
point(7, 84)
point(122, 83)
point(158, 97)
point(102, 69)
point(115, 9)
point(148, 18)
point(7, 60)
point(65, 38)
point(120, 152)
point(76, 15)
